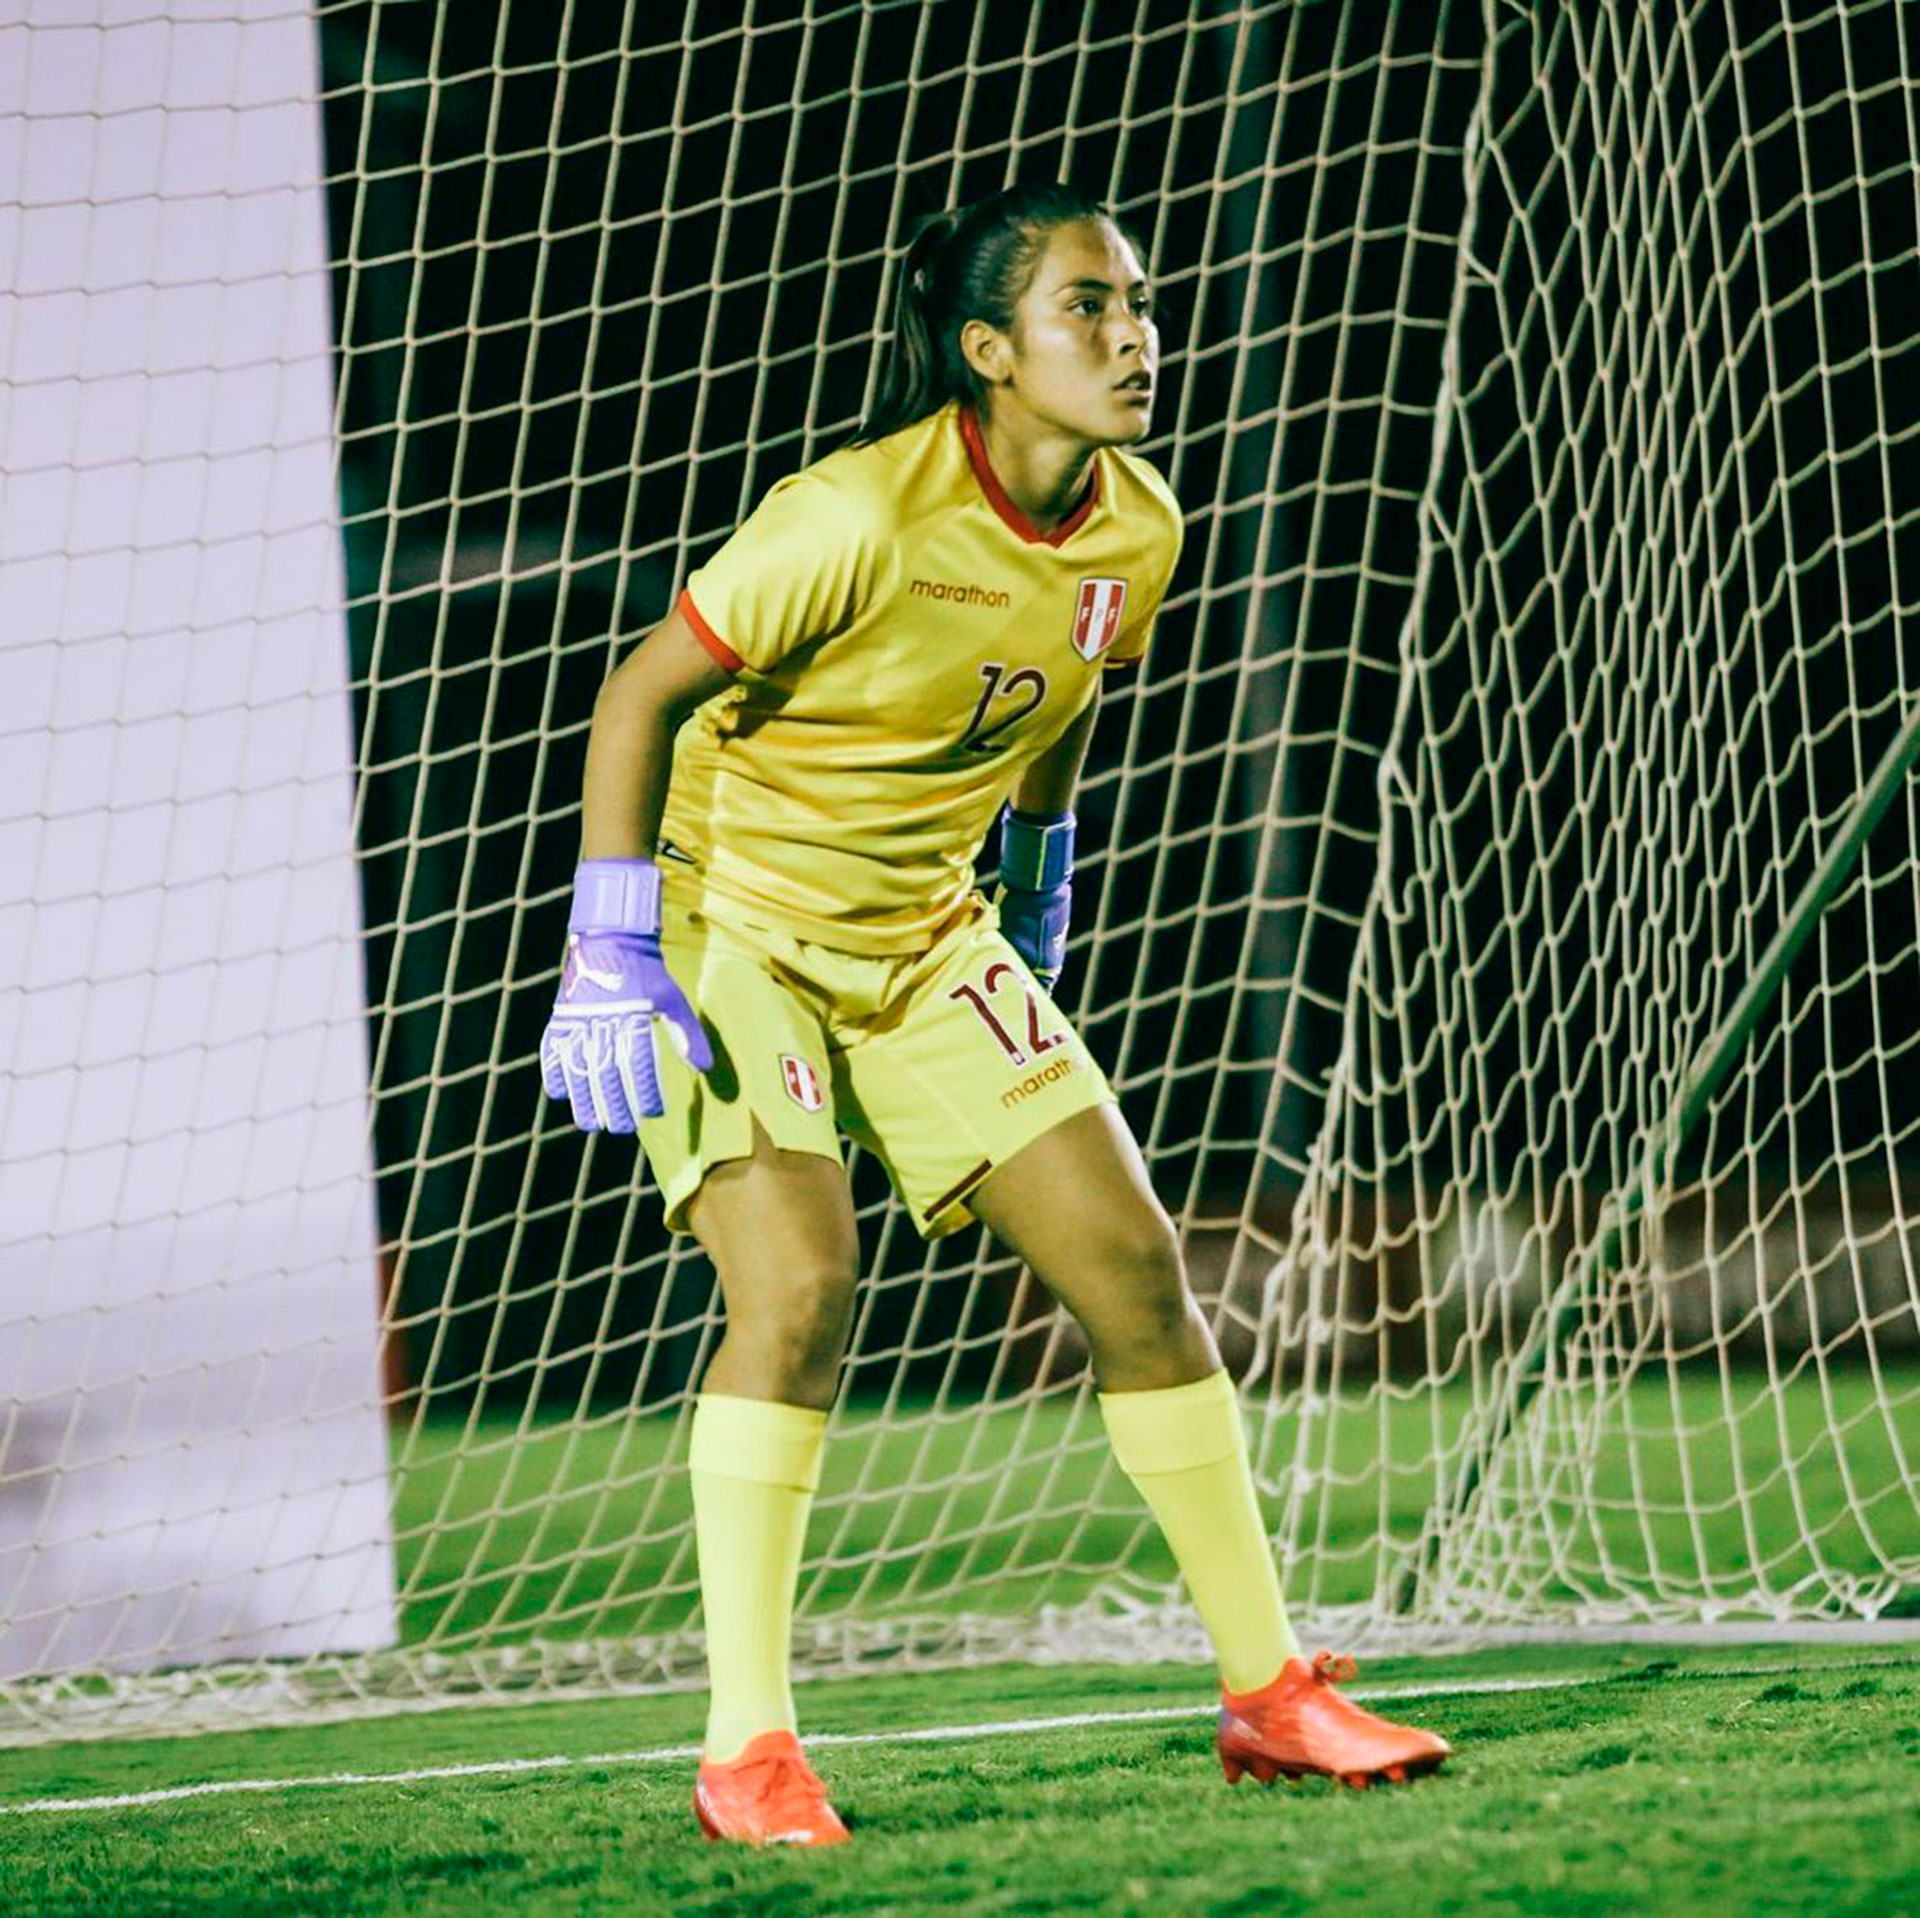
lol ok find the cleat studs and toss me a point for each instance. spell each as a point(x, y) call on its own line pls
point(1233, 1768)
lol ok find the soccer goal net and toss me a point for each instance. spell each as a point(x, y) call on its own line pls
point(1500, 895)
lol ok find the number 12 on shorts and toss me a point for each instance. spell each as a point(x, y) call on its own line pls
point(980, 998)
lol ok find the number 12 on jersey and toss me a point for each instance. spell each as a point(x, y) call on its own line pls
point(985, 728)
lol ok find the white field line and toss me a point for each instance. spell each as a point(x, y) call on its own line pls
point(816, 1741)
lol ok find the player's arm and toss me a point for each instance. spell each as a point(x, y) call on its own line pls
point(1036, 841)
point(630, 749)
point(1047, 786)
point(615, 988)
point(1036, 850)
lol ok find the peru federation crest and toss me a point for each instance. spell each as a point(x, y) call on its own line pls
point(1096, 619)
point(802, 1083)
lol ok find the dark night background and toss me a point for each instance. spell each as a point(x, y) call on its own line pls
point(598, 286)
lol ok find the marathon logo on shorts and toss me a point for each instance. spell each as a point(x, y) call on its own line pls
point(802, 1083)
point(1034, 1081)
point(1096, 620)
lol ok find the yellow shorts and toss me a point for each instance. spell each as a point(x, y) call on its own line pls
point(942, 1063)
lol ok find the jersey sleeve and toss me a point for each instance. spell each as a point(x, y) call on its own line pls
point(799, 567)
point(1130, 648)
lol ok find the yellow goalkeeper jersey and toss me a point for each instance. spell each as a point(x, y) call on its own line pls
point(905, 642)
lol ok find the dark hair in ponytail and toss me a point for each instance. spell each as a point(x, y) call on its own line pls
point(969, 263)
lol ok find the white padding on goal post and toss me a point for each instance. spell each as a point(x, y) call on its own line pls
point(192, 1455)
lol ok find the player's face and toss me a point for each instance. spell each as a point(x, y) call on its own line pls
point(1083, 354)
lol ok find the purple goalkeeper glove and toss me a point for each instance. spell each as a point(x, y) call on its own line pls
point(597, 1052)
point(1036, 888)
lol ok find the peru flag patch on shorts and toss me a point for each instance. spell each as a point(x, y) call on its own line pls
point(803, 1083)
point(1096, 620)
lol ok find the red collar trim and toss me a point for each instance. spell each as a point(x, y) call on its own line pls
point(1001, 504)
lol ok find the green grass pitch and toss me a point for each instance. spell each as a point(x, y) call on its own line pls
point(1782, 1778)
point(1771, 1779)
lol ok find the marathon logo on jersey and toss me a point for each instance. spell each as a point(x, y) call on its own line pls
point(802, 1083)
point(961, 592)
point(1096, 620)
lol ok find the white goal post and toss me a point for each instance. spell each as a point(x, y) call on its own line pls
point(1500, 896)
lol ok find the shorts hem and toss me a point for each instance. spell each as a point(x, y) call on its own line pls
point(685, 1186)
point(955, 1213)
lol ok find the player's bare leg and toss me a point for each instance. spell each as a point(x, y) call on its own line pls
point(780, 1230)
point(1077, 1205)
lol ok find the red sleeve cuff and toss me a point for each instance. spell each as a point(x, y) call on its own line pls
point(707, 637)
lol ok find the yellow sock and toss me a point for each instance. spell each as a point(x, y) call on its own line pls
point(1185, 1451)
point(755, 1466)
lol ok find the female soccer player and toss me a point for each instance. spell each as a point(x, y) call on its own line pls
point(902, 638)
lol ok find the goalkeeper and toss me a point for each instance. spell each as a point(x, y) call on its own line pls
point(900, 640)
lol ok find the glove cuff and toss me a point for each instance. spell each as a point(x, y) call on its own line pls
point(1036, 850)
point(615, 895)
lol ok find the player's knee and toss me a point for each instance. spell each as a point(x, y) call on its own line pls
point(798, 1331)
point(1144, 1296)
point(1159, 1323)
point(1156, 1274)
point(818, 1319)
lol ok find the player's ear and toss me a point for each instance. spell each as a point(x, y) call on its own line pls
point(988, 351)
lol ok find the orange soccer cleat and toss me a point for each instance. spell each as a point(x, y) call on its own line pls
point(769, 1795)
point(1298, 1724)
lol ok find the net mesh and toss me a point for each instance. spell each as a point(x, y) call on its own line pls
point(1659, 657)
point(1537, 387)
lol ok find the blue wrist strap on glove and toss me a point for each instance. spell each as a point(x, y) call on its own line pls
point(1036, 891)
point(1036, 850)
point(616, 895)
